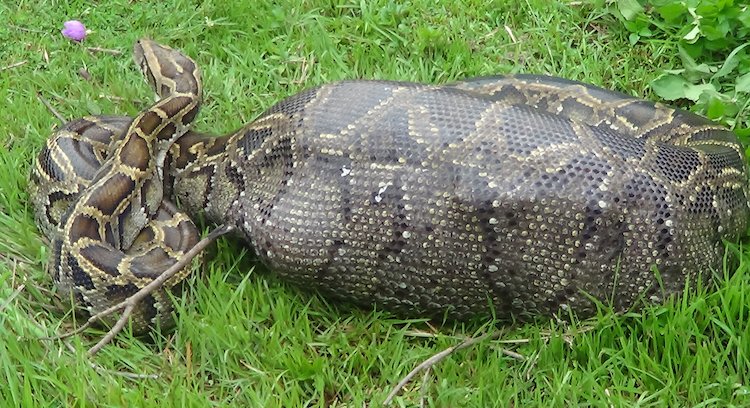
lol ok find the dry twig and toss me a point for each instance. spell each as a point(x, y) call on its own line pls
point(13, 65)
point(54, 111)
point(104, 50)
point(436, 358)
point(128, 305)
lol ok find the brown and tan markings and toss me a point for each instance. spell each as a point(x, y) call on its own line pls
point(523, 195)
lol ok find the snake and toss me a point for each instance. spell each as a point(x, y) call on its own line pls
point(508, 197)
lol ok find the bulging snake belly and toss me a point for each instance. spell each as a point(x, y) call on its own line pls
point(515, 196)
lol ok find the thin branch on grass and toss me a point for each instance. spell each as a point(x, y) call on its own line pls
point(510, 34)
point(13, 65)
point(104, 50)
point(49, 107)
point(114, 98)
point(436, 358)
point(126, 374)
point(128, 305)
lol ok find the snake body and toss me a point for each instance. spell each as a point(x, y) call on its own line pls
point(515, 196)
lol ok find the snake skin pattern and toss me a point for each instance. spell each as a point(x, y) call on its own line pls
point(515, 196)
point(114, 233)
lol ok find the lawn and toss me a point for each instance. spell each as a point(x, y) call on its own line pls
point(245, 338)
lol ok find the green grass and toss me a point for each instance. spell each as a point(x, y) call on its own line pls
point(247, 339)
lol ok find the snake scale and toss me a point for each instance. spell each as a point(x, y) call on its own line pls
point(516, 196)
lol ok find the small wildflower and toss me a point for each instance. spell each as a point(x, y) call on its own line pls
point(74, 29)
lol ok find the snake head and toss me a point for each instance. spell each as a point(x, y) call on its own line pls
point(177, 72)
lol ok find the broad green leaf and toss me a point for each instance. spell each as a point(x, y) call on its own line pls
point(744, 17)
point(731, 62)
point(743, 83)
point(672, 87)
point(716, 30)
point(672, 11)
point(694, 71)
point(687, 60)
point(694, 92)
point(743, 133)
point(693, 34)
point(718, 106)
point(629, 8)
point(669, 87)
point(715, 108)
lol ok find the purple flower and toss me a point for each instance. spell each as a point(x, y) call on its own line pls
point(74, 29)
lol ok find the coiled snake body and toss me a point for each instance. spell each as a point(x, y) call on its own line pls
point(515, 195)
